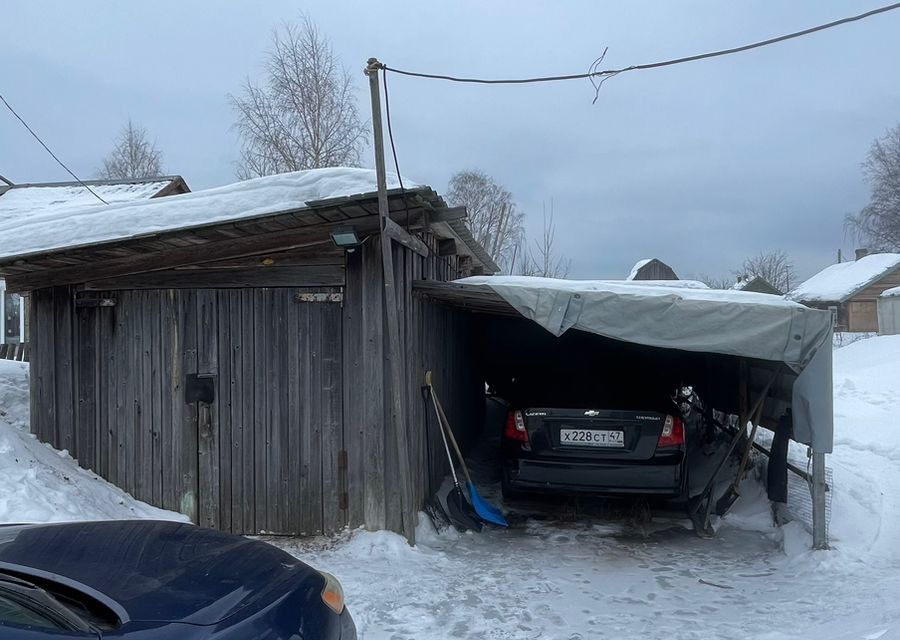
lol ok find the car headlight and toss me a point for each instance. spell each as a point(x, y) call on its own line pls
point(333, 593)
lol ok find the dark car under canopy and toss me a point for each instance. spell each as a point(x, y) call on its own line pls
point(733, 347)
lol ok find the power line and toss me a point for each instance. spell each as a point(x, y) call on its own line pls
point(651, 65)
point(53, 155)
point(387, 113)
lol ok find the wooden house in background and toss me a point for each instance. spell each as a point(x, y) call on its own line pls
point(852, 289)
point(651, 269)
point(222, 353)
point(62, 199)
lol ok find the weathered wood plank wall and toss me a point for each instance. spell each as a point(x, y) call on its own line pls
point(260, 454)
point(434, 337)
point(283, 428)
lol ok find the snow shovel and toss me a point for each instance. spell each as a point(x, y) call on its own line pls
point(485, 510)
point(433, 507)
point(459, 509)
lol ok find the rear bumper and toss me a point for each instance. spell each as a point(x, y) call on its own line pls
point(553, 476)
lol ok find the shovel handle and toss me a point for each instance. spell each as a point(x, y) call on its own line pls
point(445, 426)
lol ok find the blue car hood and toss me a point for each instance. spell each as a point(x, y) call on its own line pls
point(160, 571)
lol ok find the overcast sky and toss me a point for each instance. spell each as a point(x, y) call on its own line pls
point(699, 164)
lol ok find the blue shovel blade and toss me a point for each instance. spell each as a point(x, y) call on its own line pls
point(485, 510)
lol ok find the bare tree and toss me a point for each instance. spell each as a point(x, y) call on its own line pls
point(493, 217)
point(774, 266)
point(542, 259)
point(878, 224)
point(714, 282)
point(304, 115)
point(133, 156)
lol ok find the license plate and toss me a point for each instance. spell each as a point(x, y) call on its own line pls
point(591, 438)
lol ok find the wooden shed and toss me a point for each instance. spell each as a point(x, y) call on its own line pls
point(851, 289)
point(216, 353)
point(651, 269)
point(756, 284)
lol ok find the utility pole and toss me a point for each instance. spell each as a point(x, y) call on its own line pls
point(397, 422)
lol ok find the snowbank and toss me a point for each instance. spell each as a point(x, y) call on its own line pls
point(865, 517)
point(41, 484)
point(57, 228)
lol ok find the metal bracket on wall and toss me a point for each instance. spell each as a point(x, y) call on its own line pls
point(319, 297)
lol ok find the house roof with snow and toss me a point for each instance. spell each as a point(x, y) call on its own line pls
point(22, 201)
point(840, 282)
point(187, 225)
point(893, 292)
point(755, 284)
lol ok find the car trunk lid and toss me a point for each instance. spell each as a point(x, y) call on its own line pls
point(593, 433)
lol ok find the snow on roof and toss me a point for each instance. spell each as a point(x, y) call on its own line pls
point(26, 200)
point(891, 293)
point(640, 264)
point(841, 281)
point(46, 228)
point(683, 289)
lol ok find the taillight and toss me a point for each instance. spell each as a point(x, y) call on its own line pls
point(515, 427)
point(672, 433)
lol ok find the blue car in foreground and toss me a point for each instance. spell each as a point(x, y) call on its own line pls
point(142, 580)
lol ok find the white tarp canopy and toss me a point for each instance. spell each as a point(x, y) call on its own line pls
point(741, 324)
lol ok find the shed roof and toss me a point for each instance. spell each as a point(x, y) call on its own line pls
point(21, 203)
point(651, 269)
point(782, 337)
point(65, 244)
point(640, 264)
point(840, 282)
point(893, 292)
point(756, 284)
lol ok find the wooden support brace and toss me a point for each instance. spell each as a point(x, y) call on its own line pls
point(399, 234)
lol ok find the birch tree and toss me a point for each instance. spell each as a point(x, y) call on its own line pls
point(133, 156)
point(878, 223)
point(493, 216)
point(304, 114)
point(542, 258)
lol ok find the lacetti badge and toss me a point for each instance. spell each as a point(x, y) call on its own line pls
point(590, 413)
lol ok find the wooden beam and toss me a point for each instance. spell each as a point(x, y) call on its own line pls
point(448, 214)
point(185, 256)
point(330, 275)
point(447, 247)
point(397, 423)
point(399, 234)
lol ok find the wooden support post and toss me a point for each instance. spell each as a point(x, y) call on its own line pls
point(820, 531)
point(397, 422)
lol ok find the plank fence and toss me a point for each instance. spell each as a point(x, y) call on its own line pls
point(14, 351)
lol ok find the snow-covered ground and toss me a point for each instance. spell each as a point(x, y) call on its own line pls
point(41, 484)
point(558, 577)
point(553, 575)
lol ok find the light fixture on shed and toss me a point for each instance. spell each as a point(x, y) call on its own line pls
point(345, 238)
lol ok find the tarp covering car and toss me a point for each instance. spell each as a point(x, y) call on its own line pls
point(764, 329)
